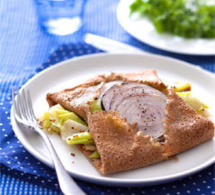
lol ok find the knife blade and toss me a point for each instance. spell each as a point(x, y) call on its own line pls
point(110, 45)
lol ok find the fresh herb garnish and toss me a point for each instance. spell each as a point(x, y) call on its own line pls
point(185, 18)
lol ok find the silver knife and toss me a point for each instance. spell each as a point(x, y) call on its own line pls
point(110, 46)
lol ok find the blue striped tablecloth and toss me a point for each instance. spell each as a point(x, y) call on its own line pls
point(26, 50)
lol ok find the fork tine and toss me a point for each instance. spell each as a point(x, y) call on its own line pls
point(14, 101)
point(16, 106)
point(21, 109)
point(25, 105)
point(30, 106)
point(21, 104)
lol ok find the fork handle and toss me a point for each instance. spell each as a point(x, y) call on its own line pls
point(67, 184)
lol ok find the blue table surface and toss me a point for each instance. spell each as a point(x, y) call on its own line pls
point(25, 49)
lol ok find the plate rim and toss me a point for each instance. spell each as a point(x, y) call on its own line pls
point(114, 181)
point(118, 10)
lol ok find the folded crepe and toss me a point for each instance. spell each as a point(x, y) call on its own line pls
point(129, 138)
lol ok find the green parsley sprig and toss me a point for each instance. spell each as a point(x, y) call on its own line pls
point(185, 18)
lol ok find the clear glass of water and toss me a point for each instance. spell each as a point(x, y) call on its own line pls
point(61, 17)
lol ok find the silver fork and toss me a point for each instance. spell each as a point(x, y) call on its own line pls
point(24, 114)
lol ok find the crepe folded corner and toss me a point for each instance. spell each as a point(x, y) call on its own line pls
point(122, 145)
point(184, 128)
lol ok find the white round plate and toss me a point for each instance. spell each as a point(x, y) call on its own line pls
point(72, 72)
point(143, 30)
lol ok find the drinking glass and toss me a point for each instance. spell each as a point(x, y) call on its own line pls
point(61, 17)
